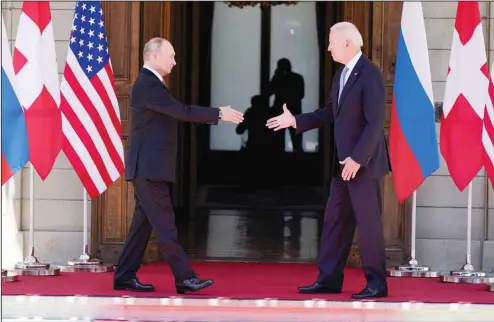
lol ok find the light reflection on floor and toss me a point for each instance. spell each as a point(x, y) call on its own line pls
point(61, 308)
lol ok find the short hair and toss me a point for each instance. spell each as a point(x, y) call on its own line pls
point(153, 45)
point(349, 31)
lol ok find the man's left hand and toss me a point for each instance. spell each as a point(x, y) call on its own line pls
point(350, 170)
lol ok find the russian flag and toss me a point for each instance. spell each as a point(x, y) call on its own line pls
point(15, 153)
point(413, 146)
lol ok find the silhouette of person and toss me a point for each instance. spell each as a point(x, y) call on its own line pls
point(288, 88)
point(260, 140)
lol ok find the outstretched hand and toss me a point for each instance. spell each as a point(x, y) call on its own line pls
point(229, 114)
point(281, 121)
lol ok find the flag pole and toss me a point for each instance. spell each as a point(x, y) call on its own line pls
point(31, 266)
point(468, 274)
point(7, 276)
point(413, 269)
point(85, 263)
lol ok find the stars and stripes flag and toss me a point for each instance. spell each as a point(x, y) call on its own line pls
point(465, 97)
point(488, 131)
point(90, 111)
point(35, 67)
point(15, 152)
point(413, 146)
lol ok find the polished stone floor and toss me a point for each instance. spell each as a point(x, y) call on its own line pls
point(107, 309)
point(264, 229)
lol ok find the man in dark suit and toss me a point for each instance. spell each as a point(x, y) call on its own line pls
point(356, 106)
point(150, 166)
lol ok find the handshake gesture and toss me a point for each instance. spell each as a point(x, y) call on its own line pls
point(229, 114)
point(282, 121)
point(279, 122)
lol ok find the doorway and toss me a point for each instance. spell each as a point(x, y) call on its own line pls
point(255, 58)
point(188, 25)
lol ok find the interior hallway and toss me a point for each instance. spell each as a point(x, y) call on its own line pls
point(268, 225)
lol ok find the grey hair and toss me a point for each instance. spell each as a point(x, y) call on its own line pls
point(152, 46)
point(349, 32)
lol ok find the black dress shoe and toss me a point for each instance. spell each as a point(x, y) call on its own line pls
point(370, 293)
point(133, 285)
point(318, 288)
point(192, 285)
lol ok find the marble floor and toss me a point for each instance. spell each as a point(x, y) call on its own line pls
point(257, 232)
point(99, 309)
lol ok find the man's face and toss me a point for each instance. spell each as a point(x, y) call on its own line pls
point(165, 58)
point(338, 47)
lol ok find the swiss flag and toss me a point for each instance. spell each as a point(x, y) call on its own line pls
point(35, 66)
point(465, 97)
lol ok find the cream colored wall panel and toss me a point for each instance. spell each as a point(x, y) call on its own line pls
point(54, 247)
point(55, 215)
point(439, 62)
point(61, 184)
point(448, 223)
point(446, 9)
point(440, 191)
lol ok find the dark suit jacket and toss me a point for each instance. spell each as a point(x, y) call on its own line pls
point(155, 116)
point(358, 119)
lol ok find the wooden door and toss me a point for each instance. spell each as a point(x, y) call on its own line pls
point(379, 23)
point(126, 32)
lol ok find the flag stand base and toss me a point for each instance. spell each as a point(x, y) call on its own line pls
point(413, 269)
point(467, 275)
point(31, 267)
point(87, 264)
point(8, 277)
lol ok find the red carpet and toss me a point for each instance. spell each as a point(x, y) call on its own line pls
point(249, 281)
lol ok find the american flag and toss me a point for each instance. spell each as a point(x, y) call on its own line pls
point(90, 112)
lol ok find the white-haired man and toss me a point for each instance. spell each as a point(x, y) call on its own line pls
point(150, 166)
point(356, 106)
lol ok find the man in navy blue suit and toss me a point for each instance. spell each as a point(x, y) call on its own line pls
point(150, 166)
point(356, 105)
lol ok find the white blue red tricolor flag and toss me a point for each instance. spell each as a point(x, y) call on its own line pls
point(90, 111)
point(465, 97)
point(414, 150)
point(15, 152)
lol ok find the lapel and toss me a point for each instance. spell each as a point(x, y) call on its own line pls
point(349, 83)
point(151, 74)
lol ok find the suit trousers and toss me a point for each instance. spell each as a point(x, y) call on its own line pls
point(351, 204)
point(153, 209)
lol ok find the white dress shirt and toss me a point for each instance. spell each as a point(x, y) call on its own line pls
point(351, 64)
point(155, 72)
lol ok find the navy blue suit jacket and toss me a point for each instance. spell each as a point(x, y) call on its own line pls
point(154, 119)
point(358, 119)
